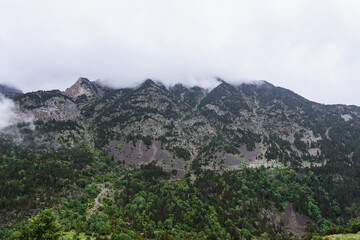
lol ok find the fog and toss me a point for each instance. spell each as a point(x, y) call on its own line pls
point(11, 116)
point(7, 112)
point(310, 47)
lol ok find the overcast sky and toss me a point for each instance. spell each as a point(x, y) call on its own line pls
point(311, 47)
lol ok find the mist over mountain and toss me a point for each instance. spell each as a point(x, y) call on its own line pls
point(230, 126)
point(9, 91)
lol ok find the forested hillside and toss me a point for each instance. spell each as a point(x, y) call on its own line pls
point(248, 161)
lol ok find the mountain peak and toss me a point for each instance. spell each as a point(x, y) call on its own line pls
point(225, 86)
point(220, 80)
point(149, 82)
point(82, 87)
point(83, 80)
point(264, 83)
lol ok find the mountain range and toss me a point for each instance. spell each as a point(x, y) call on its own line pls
point(228, 127)
point(155, 162)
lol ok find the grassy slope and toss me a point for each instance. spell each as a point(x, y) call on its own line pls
point(344, 237)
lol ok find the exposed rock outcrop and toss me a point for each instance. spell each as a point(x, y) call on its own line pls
point(50, 105)
point(230, 126)
point(83, 87)
point(291, 220)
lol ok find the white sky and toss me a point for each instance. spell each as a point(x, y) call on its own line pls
point(311, 47)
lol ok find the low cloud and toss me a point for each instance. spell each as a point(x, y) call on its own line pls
point(11, 116)
point(7, 112)
point(309, 47)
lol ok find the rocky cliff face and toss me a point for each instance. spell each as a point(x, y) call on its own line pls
point(50, 105)
point(57, 119)
point(228, 127)
point(83, 87)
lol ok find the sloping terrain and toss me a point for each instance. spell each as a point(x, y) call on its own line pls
point(228, 127)
point(303, 158)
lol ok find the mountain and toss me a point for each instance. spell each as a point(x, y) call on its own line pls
point(229, 127)
point(235, 162)
point(83, 87)
point(9, 92)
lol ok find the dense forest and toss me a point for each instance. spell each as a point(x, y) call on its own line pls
point(52, 193)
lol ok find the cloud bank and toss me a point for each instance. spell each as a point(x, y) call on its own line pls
point(7, 112)
point(11, 116)
point(308, 46)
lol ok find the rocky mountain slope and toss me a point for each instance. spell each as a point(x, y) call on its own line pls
point(74, 143)
point(229, 127)
point(83, 87)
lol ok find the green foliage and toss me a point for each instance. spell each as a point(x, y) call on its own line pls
point(302, 146)
point(182, 153)
point(53, 126)
point(334, 230)
point(225, 206)
point(43, 226)
point(31, 176)
point(354, 226)
point(147, 140)
point(311, 230)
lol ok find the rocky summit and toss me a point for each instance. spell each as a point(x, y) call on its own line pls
point(83, 87)
point(228, 127)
